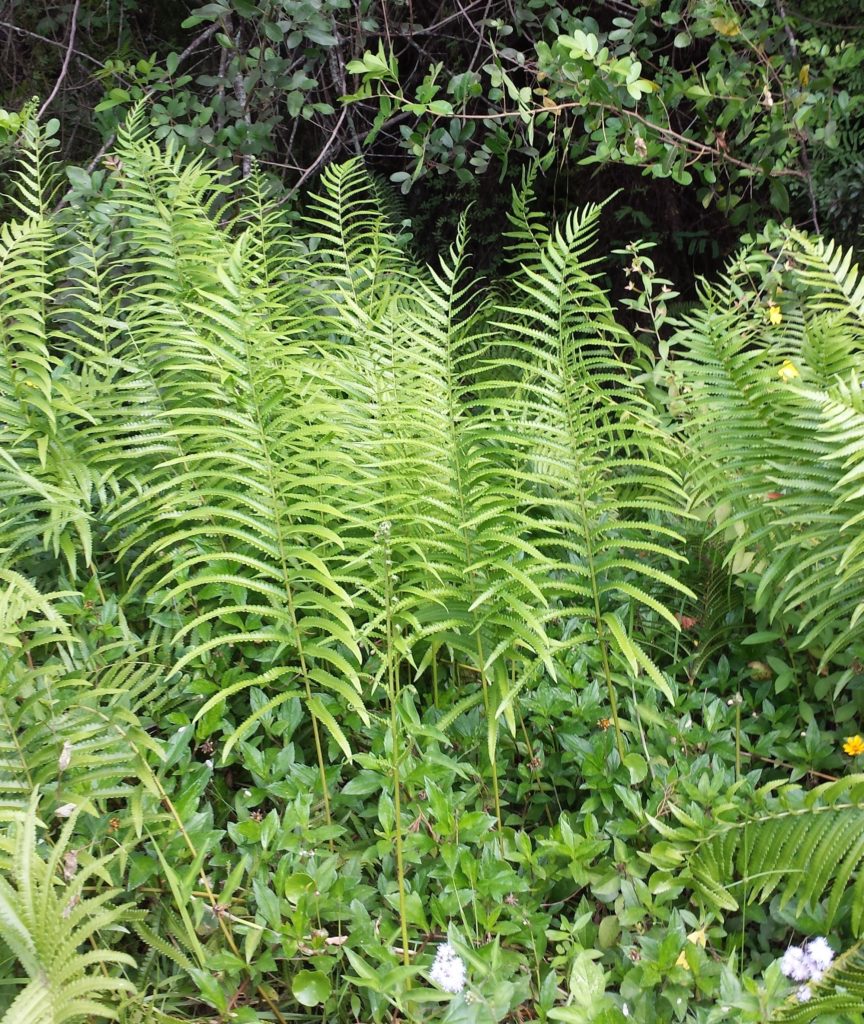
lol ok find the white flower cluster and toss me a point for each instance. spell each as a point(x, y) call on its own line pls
point(448, 969)
point(807, 964)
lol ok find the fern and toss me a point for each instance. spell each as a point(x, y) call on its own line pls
point(304, 464)
point(69, 721)
point(803, 850)
point(807, 848)
point(779, 458)
point(594, 455)
point(45, 921)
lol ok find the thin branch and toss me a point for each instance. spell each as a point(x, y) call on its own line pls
point(202, 37)
point(73, 25)
point(854, 27)
point(316, 163)
point(50, 42)
point(805, 156)
point(419, 30)
point(700, 148)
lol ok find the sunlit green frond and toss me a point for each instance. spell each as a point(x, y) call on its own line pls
point(51, 923)
point(775, 423)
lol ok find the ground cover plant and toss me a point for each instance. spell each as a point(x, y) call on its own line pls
point(384, 644)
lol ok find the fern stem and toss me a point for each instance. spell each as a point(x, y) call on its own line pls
point(491, 727)
point(289, 593)
point(534, 771)
point(610, 686)
point(574, 434)
point(393, 696)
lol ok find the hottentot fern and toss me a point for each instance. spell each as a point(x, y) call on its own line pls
point(208, 417)
point(287, 464)
point(46, 918)
point(249, 424)
point(774, 414)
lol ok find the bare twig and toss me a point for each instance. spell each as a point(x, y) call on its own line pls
point(805, 156)
point(419, 30)
point(50, 42)
point(73, 25)
point(337, 72)
point(316, 163)
point(854, 27)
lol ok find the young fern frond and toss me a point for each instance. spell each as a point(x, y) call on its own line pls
point(47, 921)
point(775, 425)
point(529, 231)
point(44, 484)
point(352, 240)
point(594, 459)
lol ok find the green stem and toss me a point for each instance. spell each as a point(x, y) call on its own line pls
point(393, 695)
point(613, 698)
point(490, 726)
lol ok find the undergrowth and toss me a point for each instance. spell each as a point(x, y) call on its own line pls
point(380, 644)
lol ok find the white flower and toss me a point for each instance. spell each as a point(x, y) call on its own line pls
point(209, 763)
point(625, 1009)
point(448, 970)
point(819, 953)
point(65, 810)
point(796, 964)
point(804, 994)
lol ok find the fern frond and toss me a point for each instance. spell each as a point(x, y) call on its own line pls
point(776, 426)
point(45, 923)
point(811, 851)
point(598, 473)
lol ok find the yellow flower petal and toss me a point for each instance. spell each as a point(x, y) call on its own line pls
point(788, 371)
point(774, 314)
point(698, 938)
point(853, 746)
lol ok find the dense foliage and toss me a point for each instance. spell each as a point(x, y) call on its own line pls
point(708, 112)
point(383, 645)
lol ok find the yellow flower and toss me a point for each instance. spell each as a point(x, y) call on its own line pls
point(788, 371)
point(698, 938)
point(853, 746)
point(774, 314)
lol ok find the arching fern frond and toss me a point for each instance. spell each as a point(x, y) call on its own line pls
point(46, 916)
point(806, 847)
point(775, 421)
point(595, 460)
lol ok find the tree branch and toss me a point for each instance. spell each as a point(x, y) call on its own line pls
point(694, 146)
point(73, 25)
point(50, 42)
point(202, 37)
point(325, 149)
